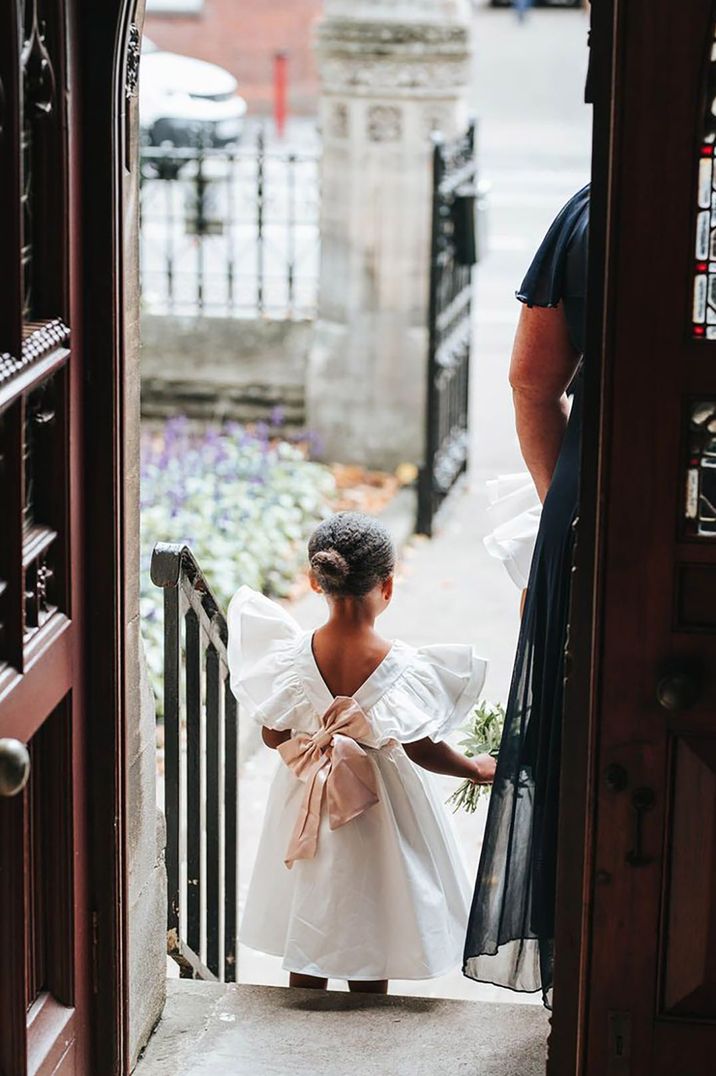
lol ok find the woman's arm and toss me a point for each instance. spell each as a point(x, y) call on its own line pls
point(272, 738)
point(543, 364)
point(441, 758)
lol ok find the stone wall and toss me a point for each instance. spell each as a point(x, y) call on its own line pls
point(145, 833)
point(224, 368)
point(146, 839)
point(392, 73)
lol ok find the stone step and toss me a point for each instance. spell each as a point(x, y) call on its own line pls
point(212, 1029)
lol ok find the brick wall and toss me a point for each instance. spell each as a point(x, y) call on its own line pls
point(242, 36)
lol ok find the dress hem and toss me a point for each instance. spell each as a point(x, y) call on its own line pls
point(352, 978)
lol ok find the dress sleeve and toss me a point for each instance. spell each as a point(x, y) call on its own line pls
point(433, 695)
point(263, 638)
point(549, 276)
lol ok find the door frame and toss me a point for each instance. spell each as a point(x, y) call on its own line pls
point(100, 37)
point(580, 723)
point(576, 873)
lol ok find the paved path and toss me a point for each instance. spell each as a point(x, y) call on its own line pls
point(534, 149)
point(213, 1030)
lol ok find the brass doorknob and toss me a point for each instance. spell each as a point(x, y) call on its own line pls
point(679, 691)
point(14, 767)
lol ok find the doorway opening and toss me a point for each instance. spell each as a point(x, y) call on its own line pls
point(230, 249)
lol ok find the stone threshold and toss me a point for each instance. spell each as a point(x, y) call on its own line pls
point(212, 1029)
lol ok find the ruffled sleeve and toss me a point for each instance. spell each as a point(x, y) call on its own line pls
point(558, 269)
point(432, 697)
point(263, 639)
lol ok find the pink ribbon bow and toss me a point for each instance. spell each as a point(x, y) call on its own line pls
point(333, 764)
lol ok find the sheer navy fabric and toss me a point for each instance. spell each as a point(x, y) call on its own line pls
point(510, 939)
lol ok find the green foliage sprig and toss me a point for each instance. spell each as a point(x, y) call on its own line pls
point(483, 734)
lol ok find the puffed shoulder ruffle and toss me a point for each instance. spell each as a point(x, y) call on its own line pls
point(437, 689)
point(263, 639)
point(412, 694)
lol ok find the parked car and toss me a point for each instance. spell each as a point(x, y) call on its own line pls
point(540, 3)
point(187, 102)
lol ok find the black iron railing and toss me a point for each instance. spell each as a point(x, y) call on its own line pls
point(453, 252)
point(200, 771)
point(230, 232)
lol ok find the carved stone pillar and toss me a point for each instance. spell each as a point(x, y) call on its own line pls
point(392, 72)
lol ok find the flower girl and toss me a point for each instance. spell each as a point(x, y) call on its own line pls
point(357, 876)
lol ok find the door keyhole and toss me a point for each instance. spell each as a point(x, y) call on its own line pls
point(643, 800)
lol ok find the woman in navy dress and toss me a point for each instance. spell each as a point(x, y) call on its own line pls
point(510, 939)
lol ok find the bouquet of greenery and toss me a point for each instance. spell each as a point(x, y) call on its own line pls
point(482, 736)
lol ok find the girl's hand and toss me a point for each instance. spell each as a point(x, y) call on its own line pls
point(484, 767)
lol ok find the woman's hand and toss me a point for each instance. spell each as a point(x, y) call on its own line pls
point(484, 767)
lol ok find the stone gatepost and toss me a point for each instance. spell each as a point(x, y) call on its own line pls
point(392, 72)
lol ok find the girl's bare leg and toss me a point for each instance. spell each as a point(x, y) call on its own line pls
point(371, 986)
point(308, 982)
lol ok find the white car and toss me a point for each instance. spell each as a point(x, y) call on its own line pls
point(187, 102)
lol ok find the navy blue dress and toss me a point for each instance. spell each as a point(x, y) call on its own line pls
point(510, 939)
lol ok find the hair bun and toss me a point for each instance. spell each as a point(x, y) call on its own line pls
point(331, 564)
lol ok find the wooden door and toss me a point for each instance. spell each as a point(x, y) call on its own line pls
point(45, 925)
point(636, 944)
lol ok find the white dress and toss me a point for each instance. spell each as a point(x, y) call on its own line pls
point(515, 510)
point(386, 895)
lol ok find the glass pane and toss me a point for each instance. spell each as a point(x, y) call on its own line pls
point(700, 494)
point(704, 302)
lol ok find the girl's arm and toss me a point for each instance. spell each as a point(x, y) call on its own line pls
point(272, 738)
point(543, 364)
point(441, 758)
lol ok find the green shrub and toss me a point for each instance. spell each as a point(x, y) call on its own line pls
point(243, 499)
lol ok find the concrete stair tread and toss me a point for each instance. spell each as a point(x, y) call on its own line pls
point(212, 1028)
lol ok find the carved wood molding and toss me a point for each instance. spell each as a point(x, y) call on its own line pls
point(40, 339)
point(37, 67)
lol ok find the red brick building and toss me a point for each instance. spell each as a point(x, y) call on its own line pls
point(243, 36)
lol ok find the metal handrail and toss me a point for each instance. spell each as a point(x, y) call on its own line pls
point(201, 771)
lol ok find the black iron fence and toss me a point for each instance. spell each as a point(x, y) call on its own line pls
point(230, 232)
point(453, 253)
point(201, 772)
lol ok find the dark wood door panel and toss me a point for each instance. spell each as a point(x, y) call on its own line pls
point(46, 935)
point(37, 829)
point(689, 929)
point(686, 1050)
point(51, 1038)
point(26, 699)
point(652, 936)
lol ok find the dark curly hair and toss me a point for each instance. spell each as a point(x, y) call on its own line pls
point(350, 554)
